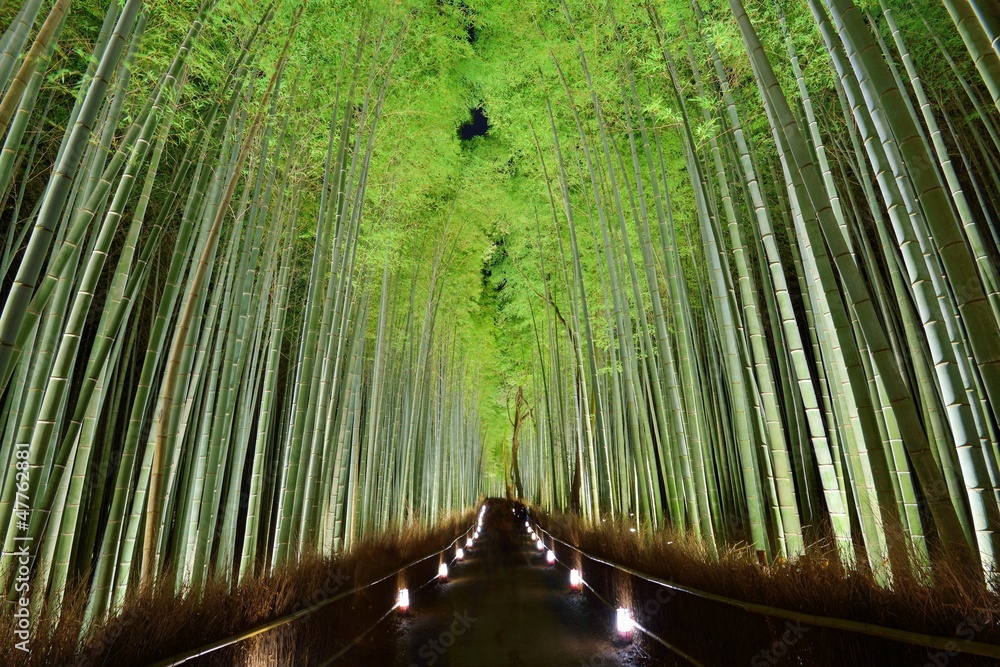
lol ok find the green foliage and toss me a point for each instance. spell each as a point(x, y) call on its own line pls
point(477, 229)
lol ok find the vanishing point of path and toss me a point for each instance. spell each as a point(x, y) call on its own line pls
point(504, 606)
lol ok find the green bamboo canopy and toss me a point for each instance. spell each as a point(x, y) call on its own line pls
point(729, 269)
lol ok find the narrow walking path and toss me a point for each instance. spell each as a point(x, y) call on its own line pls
point(504, 606)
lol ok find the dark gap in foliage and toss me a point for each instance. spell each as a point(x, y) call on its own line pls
point(465, 12)
point(477, 126)
point(470, 27)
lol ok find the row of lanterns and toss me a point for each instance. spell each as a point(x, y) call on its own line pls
point(550, 555)
point(403, 595)
point(624, 623)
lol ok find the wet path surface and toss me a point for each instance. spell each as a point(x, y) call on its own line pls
point(504, 606)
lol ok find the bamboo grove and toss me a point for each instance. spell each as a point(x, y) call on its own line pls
point(720, 269)
point(190, 390)
point(804, 346)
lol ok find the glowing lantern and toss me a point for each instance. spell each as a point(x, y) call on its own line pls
point(403, 600)
point(459, 553)
point(575, 580)
point(443, 571)
point(550, 557)
point(541, 545)
point(468, 543)
point(624, 623)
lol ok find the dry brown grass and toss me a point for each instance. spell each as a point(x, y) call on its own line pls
point(953, 606)
point(155, 624)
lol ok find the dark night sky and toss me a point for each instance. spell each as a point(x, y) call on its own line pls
point(477, 126)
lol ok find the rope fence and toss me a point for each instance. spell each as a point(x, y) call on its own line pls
point(343, 651)
point(870, 629)
point(182, 658)
point(677, 651)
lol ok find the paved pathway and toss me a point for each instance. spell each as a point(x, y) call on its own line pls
point(503, 606)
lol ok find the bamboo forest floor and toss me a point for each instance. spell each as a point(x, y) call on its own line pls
point(503, 605)
point(955, 609)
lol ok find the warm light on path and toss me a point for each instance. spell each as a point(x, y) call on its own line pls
point(624, 623)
